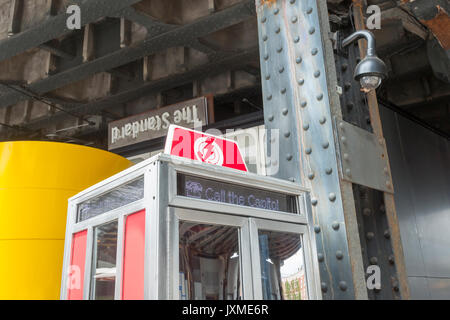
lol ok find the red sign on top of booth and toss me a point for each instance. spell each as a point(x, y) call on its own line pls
point(196, 145)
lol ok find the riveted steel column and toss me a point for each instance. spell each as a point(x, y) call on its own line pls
point(296, 102)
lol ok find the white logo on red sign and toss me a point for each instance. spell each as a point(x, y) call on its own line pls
point(207, 150)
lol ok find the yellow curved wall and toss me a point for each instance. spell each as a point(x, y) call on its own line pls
point(36, 179)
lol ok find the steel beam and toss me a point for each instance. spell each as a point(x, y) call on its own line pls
point(300, 102)
point(173, 38)
point(232, 61)
point(55, 27)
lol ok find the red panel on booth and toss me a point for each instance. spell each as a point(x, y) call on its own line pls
point(76, 268)
point(133, 257)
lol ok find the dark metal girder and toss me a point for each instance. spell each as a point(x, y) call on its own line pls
point(54, 27)
point(176, 37)
point(233, 61)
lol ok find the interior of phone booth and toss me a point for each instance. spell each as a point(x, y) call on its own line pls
point(171, 228)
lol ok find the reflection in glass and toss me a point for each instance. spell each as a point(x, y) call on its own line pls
point(104, 262)
point(282, 267)
point(209, 262)
point(116, 198)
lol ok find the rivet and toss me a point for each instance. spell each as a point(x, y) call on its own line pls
point(296, 39)
point(308, 150)
point(346, 156)
point(303, 104)
point(388, 184)
point(281, 69)
point(289, 157)
point(339, 255)
point(343, 285)
point(268, 77)
point(269, 97)
point(343, 139)
point(314, 51)
point(386, 171)
point(276, 11)
point(387, 235)
point(298, 60)
point(270, 118)
point(264, 37)
point(266, 57)
point(324, 287)
point(280, 49)
point(370, 235)
point(311, 175)
point(312, 30)
point(348, 172)
point(320, 257)
point(314, 201)
point(395, 286)
point(328, 171)
point(291, 179)
point(319, 97)
point(391, 259)
point(335, 225)
point(332, 197)
point(284, 111)
point(294, 19)
point(347, 86)
point(301, 81)
point(316, 229)
point(277, 30)
point(287, 134)
point(323, 120)
point(309, 10)
point(325, 145)
point(344, 67)
point(283, 91)
point(292, 1)
point(306, 126)
point(350, 105)
point(382, 208)
point(264, 19)
point(373, 260)
point(317, 74)
point(367, 212)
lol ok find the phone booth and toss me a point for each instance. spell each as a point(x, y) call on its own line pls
point(173, 228)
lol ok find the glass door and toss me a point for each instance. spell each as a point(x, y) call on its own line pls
point(211, 256)
point(281, 261)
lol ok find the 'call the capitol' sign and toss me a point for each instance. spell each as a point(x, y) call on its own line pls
point(154, 124)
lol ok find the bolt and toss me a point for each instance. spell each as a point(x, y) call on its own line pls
point(322, 120)
point(308, 150)
point(287, 134)
point(319, 96)
point(328, 171)
point(373, 260)
point(283, 91)
point(294, 19)
point(270, 118)
point(303, 104)
point(296, 39)
point(311, 175)
point(269, 97)
point(289, 157)
point(325, 145)
point(339, 255)
point(312, 30)
point(314, 201)
point(314, 51)
point(316, 229)
point(343, 285)
point(317, 73)
point(335, 225)
point(298, 60)
point(301, 81)
point(284, 111)
point(305, 126)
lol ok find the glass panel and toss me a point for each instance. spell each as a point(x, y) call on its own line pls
point(282, 266)
point(104, 262)
point(118, 197)
point(209, 262)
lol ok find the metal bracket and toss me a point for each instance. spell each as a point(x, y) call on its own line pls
point(363, 157)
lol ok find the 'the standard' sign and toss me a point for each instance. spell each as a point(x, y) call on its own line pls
point(155, 123)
